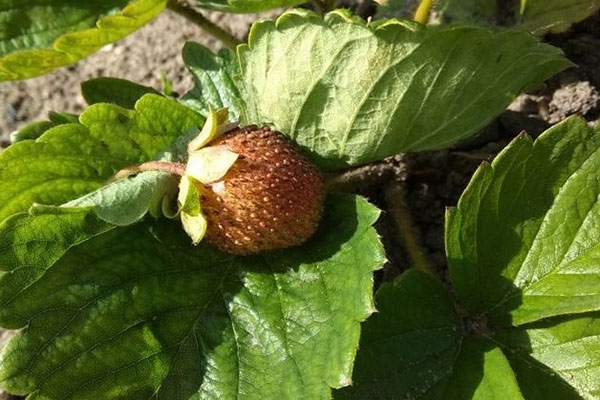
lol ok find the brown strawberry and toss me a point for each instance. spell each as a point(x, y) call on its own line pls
point(270, 198)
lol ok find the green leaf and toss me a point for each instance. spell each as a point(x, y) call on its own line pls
point(414, 349)
point(542, 16)
point(36, 243)
point(117, 91)
point(31, 131)
point(482, 372)
point(137, 312)
point(523, 243)
point(415, 337)
point(36, 129)
point(166, 85)
point(71, 160)
point(127, 201)
point(37, 37)
point(245, 6)
point(481, 12)
point(59, 117)
point(553, 357)
point(215, 78)
point(537, 16)
point(523, 255)
point(377, 89)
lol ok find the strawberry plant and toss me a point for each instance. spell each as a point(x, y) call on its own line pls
point(521, 320)
point(167, 247)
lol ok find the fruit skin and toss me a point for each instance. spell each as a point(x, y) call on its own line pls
point(271, 198)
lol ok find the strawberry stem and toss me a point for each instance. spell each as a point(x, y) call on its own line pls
point(184, 9)
point(161, 166)
point(399, 211)
point(423, 11)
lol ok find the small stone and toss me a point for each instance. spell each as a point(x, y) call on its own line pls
point(574, 98)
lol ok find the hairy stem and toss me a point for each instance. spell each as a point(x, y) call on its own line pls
point(360, 179)
point(423, 11)
point(182, 8)
point(170, 167)
point(399, 211)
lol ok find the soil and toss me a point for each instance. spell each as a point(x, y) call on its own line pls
point(428, 182)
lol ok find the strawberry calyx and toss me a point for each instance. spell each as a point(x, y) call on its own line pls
point(205, 165)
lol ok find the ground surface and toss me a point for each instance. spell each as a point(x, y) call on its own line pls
point(428, 182)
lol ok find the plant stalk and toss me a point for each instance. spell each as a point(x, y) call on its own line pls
point(423, 11)
point(184, 9)
point(163, 166)
point(400, 213)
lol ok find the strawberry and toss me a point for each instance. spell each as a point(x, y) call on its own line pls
point(270, 198)
point(246, 191)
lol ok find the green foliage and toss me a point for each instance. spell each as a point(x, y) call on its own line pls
point(194, 322)
point(556, 358)
point(417, 336)
point(126, 201)
point(216, 81)
point(525, 322)
point(31, 131)
point(117, 91)
point(33, 24)
point(36, 38)
point(111, 305)
point(34, 130)
point(417, 88)
point(415, 331)
point(481, 12)
point(137, 312)
point(534, 229)
point(375, 90)
point(542, 16)
point(73, 159)
point(537, 16)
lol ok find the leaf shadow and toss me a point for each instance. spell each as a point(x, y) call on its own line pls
point(535, 379)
